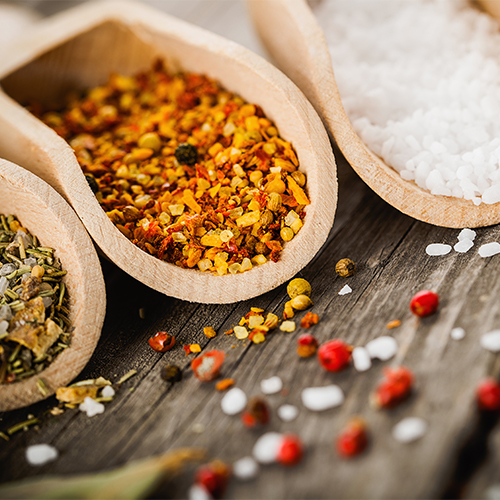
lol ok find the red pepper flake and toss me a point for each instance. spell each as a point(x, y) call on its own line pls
point(256, 413)
point(394, 389)
point(192, 348)
point(307, 345)
point(424, 303)
point(334, 355)
point(353, 439)
point(207, 366)
point(309, 320)
point(291, 450)
point(488, 395)
point(162, 342)
point(214, 477)
point(229, 332)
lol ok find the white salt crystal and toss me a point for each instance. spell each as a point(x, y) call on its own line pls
point(322, 398)
point(361, 359)
point(234, 401)
point(7, 269)
point(491, 341)
point(409, 429)
point(30, 261)
point(287, 413)
point(245, 468)
point(463, 246)
point(108, 392)
point(267, 447)
point(457, 333)
point(345, 290)
point(491, 195)
point(5, 313)
point(91, 407)
point(199, 492)
point(435, 249)
point(271, 385)
point(47, 302)
point(40, 454)
point(382, 348)
point(489, 249)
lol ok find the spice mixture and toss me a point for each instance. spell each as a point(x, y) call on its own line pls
point(34, 324)
point(186, 170)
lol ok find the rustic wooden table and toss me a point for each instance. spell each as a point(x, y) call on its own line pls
point(459, 455)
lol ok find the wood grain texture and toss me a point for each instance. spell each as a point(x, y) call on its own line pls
point(45, 214)
point(291, 33)
point(80, 48)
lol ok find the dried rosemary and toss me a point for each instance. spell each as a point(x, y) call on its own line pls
point(34, 305)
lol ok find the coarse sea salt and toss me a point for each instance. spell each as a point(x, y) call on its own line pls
point(40, 454)
point(467, 234)
point(489, 249)
point(91, 407)
point(271, 385)
point(345, 290)
point(198, 492)
point(409, 429)
point(428, 105)
point(108, 392)
point(383, 348)
point(435, 249)
point(457, 333)
point(491, 341)
point(287, 413)
point(322, 398)
point(234, 401)
point(266, 448)
point(361, 359)
point(245, 468)
point(463, 246)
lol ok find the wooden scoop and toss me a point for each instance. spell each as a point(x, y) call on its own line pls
point(80, 48)
point(46, 215)
point(291, 34)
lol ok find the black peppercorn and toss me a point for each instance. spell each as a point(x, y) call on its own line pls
point(92, 183)
point(171, 373)
point(186, 154)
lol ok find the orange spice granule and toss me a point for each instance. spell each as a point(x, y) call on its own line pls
point(224, 384)
point(393, 324)
point(309, 320)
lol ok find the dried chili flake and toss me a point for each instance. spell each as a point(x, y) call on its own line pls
point(353, 439)
point(291, 450)
point(213, 477)
point(191, 348)
point(307, 345)
point(162, 342)
point(207, 366)
point(488, 395)
point(309, 320)
point(160, 148)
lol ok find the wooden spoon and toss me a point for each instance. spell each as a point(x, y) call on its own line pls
point(79, 48)
point(46, 215)
point(291, 34)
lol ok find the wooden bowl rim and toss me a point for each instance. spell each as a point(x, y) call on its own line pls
point(185, 284)
point(87, 316)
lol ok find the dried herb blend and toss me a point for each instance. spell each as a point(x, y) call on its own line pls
point(34, 304)
point(186, 170)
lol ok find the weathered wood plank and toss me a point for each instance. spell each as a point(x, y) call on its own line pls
point(389, 249)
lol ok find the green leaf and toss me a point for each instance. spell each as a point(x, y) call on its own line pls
point(135, 480)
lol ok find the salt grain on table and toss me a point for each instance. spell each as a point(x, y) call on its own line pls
point(457, 333)
point(40, 454)
point(245, 468)
point(489, 249)
point(266, 448)
point(234, 401)
point(108, 392)
point(382, 348)
point(322, 398)
point(271, 385)
point(91, 407)
point(467, 234)
point(287, 413)
point(435, 249)
point(345, 290)
point(361, 359)
point(197, 492)
point(409, 429)
point(463, 246)
point(491, 341)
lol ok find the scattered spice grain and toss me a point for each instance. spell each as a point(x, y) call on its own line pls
point(290, 451)
point(307, 345)
point(207, 366)
point(171, 373)
point(424, 303)
point(353, 439)
point(345, 268)
point(209, 332)
point(488, 395)
point(298, 286)
point(334, 355)
point(214, 477)
point(394, 388)
point(187, 171)
point(256, 413)
point(393, 324)
point(162, 342)
point(309, 320)
point(224, 384)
